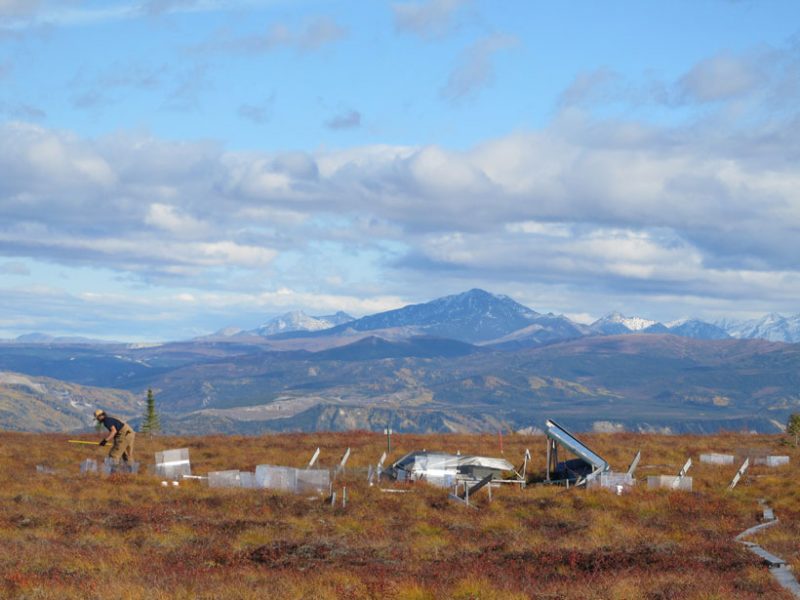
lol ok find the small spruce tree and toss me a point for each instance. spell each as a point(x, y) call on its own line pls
point(793, 426)
point(151, 423)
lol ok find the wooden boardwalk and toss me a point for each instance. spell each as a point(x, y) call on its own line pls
point(779, 568)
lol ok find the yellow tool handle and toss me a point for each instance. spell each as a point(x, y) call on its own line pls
point(83, 442)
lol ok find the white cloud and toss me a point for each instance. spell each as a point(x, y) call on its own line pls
point(720, 77)
point(441, 173)
point(591, 87)
point(320, 32)
point(350, 119)
point(58, 159)
point(682, 180)
point(584, 318)
point(18, 8)
point(140, 254)
point(231, 254)
point(258, 113)
point(603, 252)
point(285, 297)
point(560, 230)
point(168, 217)
point(428, 19)
point(746, 84)
point(69, 13)
point(634, 209)
point(159, 7)
point(23, 111)
point(475, 68)
point(311, 36)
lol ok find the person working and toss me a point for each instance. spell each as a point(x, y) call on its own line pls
point(120, 433)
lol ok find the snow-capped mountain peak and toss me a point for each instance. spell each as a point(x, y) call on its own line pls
point(472, 316)
point(637, 323)
point(617, 323)
point(480, 317)
point(677, 322)
point(772, 327)
point(299, 321)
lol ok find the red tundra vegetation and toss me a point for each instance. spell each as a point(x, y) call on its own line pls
point(64, 535)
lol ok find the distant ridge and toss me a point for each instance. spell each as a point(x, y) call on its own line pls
point(373, 348)
point(693, 328)
point(43, 338)
point(635, 381)
point(474, 317)
point(545, 329)
point(29, 403)
point(772, 327)
point(616, 324)
point(300, 321)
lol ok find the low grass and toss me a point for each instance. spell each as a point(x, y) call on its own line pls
point(64, 535)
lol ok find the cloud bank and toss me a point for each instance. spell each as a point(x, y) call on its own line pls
point(698, 212)
point(690, 210)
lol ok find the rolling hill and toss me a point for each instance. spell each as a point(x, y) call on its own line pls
point(43, 404)
point(644, 382)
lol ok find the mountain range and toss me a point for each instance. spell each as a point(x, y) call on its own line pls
point(480, 317)
point(477, 316)
point(471, 361)
point(772, 327)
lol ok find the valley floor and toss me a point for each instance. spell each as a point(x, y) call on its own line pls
point(63, 535)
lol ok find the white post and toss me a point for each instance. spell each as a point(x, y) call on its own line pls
point(549, 458)
point(634, 463)
point(313, 459)
point(344, 458)
point(676, 484)
point(739, 473)
point(343, 462)
point(379, 466)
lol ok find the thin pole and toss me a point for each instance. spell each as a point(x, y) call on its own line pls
point(549, 459)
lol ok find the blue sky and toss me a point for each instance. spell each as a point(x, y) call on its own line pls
point(170, 167)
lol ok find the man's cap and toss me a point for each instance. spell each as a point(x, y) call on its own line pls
point(99, 413)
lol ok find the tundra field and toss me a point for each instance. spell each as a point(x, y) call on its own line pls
point(64, 535)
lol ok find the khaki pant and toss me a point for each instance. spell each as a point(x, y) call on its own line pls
point(123, 445)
